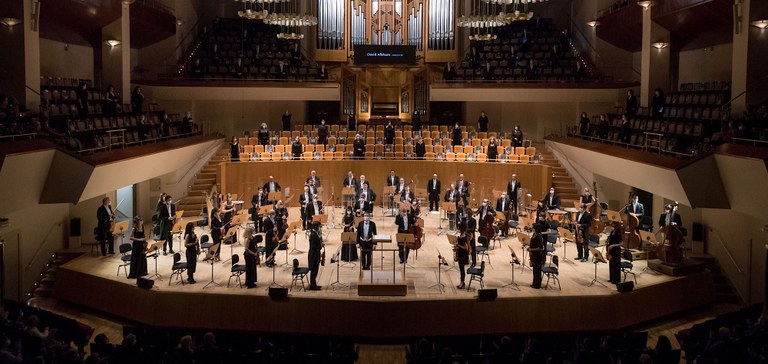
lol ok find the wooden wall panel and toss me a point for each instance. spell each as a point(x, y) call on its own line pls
point(243, 178)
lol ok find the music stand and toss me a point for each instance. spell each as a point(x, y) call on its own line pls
point(293, 228)
point(389, 193)
point(209, 254)
point(450, 207)
point(272, 257)
point(178, 228)
point(121, 227)
point(284, 241)
point(263, 210)
point(349, 238)
point(613, 216)
point(525, 241)
point(154, 251)
point(650, 240)
point(338, 258)
point(514, 261)
point(348, 194)
point(440, 261)
point(597, 258)
point(403, 239)
point(273, 197)
point(229, 235)
point(453, 240)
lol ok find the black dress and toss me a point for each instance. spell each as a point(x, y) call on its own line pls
point(420, 150)
point(138, 257)
point(234, 151)
point(251, 276)
point(614, 264)
point(349, 251)
point(493, 152)
point(191, 254)
point(456, 136)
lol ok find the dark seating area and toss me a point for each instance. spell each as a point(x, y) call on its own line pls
point(533, 50)
point(738, 337)
point(250, 50)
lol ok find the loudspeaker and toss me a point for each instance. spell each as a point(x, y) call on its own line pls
point(624, 287)
point(698, 232)
point(278, 292)
point(487, 294)
point(74, 227)
point(145, 283)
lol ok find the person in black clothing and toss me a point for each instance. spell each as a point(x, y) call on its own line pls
point(82, 99)
point(584, 124)
point(449, 72)
point(462, 252)
point(313, 255)
point(286, 119)
point(389, 133)
point(257, 201)
point(143, 127)
point(420, 149)
point(111, 99)
point(434, 190)
point(217, 229)
point(351, 122)
point(456, 135)
point(296, 148)
point(166, 124)
point(471, 223)
point(482, 122)
point(358, 147)
point(186, 124)
point(191, 245)
point(137, 100)
point(625, 133)
point(604, 126)
point(493, 149)
point(139, 245)
point(536, 249)
point(551, 200)
point(658, 104)
point(416, 121)
point(167, 217)
point(404, 221)
point(613, 250)
point(670, 217)
point(105, 217)
point(512, 188)
point(271, 236)
point(517, 137)
point(631, 108)
point(366, 229)
point(322, 133)
point(234, 149)
point(263, 134)
point(349, 251)
point(583, 222)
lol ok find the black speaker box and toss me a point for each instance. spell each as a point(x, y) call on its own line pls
point(74, 227)
point(278, 292)
point(625, 287)
point(698, 232)
point(145, 283)
point(487, 294)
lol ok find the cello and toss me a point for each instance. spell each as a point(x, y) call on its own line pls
point(596, 211)
point(486, 226)
point(418, 234)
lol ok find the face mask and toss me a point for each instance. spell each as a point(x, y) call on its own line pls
point(366, 218)
point(485, 204)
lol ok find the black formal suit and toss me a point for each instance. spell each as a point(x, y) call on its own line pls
point(190, 245)
point(393, 180)
point(471, 230)
point(636, 208)
point(676, 220)
point(103, 230)
point(584, 221)
point(359, 187)
point(364, 206)
point(420, 149)
point(482, 123)
point(517, 138)
point(350, 182)
point(365, 240)
point(267, 188)
point(503, 205)
point(358, 148)
point(512, 189)
point(552, 202)
point(270, 230)
point(322, 134)
point(286, 119)
point(313, 257)
point(167, 217)
point(256, 202)
point(400, 187)
point(463, 191)
point(537, 258)
point(409, 196)
point(305, 199)
point(433, 191)
point(370, 195)
point(403, 227)
point(316, 179)
point(297, 149)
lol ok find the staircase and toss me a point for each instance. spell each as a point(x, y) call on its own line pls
point(194, 202)
point(44, 287)
point(561, 180)
point(724, 290)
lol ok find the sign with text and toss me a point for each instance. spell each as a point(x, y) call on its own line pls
point(384, 54)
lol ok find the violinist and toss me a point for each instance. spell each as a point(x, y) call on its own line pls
point(313, 178)
point(538, 255)
point(217, 229)
point(258, 200)
point(613, 251)
point(415, 208)
point(670, 217)
point(462, 186)
point(349, 251)
point(503, 205)
point(366, 229)
point(362, 206)
point(281, 218)
point(313, 255)
point(270, 230)
point(462, 252)
point(404, 221)
point(406, 194)
point(583, 222)
point(471, 224)
point(304, 200)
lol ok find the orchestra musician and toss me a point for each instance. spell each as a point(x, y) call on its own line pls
point(313, 254)
point(106, 218)
point(314, 178)
point(433, 191)
point(251, 256)
point(541, 212)
point(315, 207)
point(167, 218)
point(217, 229)
point(462, 252)
point(191, 245)
point(363, 205)
point(512, 188)
point(406, 194)
point(258, 200)
point(362, 184)
point(228, 208)
point(312, 188)
point(366, 229)
point(452, 195)
point(392, 179)
point(613, 250)
point(281, 219)
point(503, 205)
point(586, 198)
point(536, 249)
point(271, 185)
point(156, 216)
point(552, 200)
point(400, 186)
point(404, 221)
point(462, 186)
point(635, 207)
point(670, 217)
point(139, 247)
point(367, 195)
point(304, 200)
point(471, 224)
point(270, 230)
point(415, 208)
point(350, 180)
point(583, 222)
point(349, 251)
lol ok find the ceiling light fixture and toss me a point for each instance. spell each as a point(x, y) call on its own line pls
point(660, 45)
point(593, 23)
point(112, 42)
point(762, 23)
point(9, 21)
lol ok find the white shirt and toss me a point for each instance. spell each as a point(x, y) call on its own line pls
point(365, 229)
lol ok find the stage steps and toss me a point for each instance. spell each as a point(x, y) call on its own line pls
point(561, 180)
point(724, 290)
point(194, 202)
point(44, 286)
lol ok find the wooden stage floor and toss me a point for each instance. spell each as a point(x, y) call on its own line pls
point(92, 281)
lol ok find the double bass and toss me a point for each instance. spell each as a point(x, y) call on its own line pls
point(418, 234)
point(669, 249)
point(485, 225)
point(598, 226)
point(630, 238)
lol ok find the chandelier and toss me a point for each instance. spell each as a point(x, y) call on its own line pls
point(256, 9)
point(481, 20)
point(287, 17)
point(515, 10)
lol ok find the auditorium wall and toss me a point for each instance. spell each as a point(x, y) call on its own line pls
point(706, 64)
point(59, 59)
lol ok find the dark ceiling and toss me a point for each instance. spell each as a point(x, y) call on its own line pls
point(81, 21)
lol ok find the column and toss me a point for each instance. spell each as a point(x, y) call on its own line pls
point(116, 60)
point(20, 68)
point(740, 57)
point(654, 59)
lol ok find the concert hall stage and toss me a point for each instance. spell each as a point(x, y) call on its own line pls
point(91, 281)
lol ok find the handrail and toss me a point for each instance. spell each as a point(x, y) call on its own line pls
point(40, 247)
point(584, 37)
point(732, 100)
point(747, 140)
point(586, 182)
point(192, 30)
point(202, 154)
point(727, 251)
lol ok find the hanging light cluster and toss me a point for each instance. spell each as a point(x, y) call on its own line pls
point(256, 9)
point(287, 17)
point(488, 14)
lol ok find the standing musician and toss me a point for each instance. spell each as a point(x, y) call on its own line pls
point(106, 219)
point(433, 191)
point(463, 187)
point(312, 188)
point(583, 222)
point(452, 195)
point(350, 180)
point(462, 252)
point(512, 188)
point(251, 256)
point(192, 247)
point(471, 225)
point(228, 208)
point(271, 185)
point(503, 205)
point(635, 207)
point(541, 212)
point(392, 179)
point(217, 229)
point(586, 198)
point(367, 195)
point(366, 229)
point(281, 218)
point(362, 184)
point(155, 218)
point(613, 250)
point(552, 200)
point(670, 217)
point(139, 248)
point(400, 186)
point(258, 200)
point(363, 205)
point(270, 230)
point(537, 253)
point(313, 255)
point(487, 216)
point(415, 208)
point(304, 200)
point(313, 178)
point(315, 207)
point(167, 217)
point(404, 221)
point(349, 251)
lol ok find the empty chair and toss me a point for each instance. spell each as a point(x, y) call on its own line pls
point(178, 268)
point(236, 271)
point(476, 274)
point(552, 272)
point(299, 274)
point(627, 265)
point(205, 243)
point(482, 249)
point(125, 257)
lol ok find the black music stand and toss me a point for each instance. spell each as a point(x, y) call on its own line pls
point(154, 249)
point(389, 195)
point(512, 262)
point(209, 254)
point(597, 258)
point(349, 238)
point(293, 228)
point(271, 256)
point(440, 261)
point(335, 259)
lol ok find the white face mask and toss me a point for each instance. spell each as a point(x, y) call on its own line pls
point(485, 204)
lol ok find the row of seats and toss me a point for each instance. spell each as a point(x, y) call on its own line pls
point(369, 155)
point(380, 148)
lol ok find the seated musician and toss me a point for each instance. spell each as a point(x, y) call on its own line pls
point(586, 198)
point(670, 217)
point(552, 200)
point(635, 207)
point(400, 186)
point(404, 222)
point(406, 194)
point(368, 195)
point(363, 205)
point(503, 205)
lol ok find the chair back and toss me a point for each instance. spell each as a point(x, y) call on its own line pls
point(176, 257)
point(594, 239)
point(483, 240)
point(556, 260)
point(235, 259)
point(295, 264)
point(204, 239)
point(482, 267)
point(124, 248)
